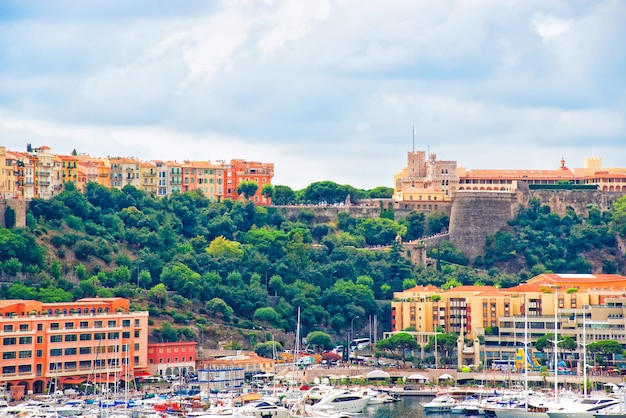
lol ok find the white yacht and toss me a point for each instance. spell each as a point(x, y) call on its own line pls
point(440, 404)
point(584, 408)
point(263, 408)
point(341, 400)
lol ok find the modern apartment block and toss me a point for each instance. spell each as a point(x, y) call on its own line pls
point(500, 315)
point(53, 344)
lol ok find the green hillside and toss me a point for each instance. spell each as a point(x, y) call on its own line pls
point(218, 271)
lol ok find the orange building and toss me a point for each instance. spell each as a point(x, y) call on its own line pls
point(239, 171)
point(49, 344)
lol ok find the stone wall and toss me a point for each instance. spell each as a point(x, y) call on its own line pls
point(19, 206)
point(330, 213)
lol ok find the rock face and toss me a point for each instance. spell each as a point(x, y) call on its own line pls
point(476, 215)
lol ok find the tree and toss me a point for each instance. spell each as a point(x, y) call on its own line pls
point(225, 248)
point(268, 349)
point(283, 195)
point(604, 348)
point(218, 306)
point(320, 340)
point(9, 217)
point(267, 315)
point(247, 188)
point(158, 293)
point(403, 342)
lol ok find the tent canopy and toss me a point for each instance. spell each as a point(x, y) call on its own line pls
point(445, 376)
point(378, 374)
point(416, 376)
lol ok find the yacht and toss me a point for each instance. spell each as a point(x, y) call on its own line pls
point(263, 408)
point(440, 404)
point(584, 408)
point(341, 400)
point(468, 406)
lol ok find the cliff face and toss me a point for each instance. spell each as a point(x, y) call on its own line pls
point(476, 215)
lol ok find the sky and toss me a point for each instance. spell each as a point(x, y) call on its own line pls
point(324, 89)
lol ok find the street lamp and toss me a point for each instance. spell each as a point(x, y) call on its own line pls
point(352, 328)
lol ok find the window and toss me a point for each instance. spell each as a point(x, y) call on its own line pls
point(40, 339)
point(71, 351)
point(8, 328)
point(39, 327)
point(85, 337)
point(56, 352)
point(56, 338)
point(114, 335)
point(9, 341)
point(85, 350)
point(69, 325)
point(85, 364)
point(26, 340)
point(126, 334)
point(136, 322)
point(23, 327)
point(25, 354)
point(126, 323)
point(54, 325)
point(8, 355)
point(70, 337)
point(137, 334)
point(70, 365)
point(99, 336)
point(39, 353)
point(112, 323)
point(84, 324)
point(97, 324)
point(8, 370)
point(25, 368)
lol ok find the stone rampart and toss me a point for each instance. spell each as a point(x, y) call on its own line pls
point(478, 214)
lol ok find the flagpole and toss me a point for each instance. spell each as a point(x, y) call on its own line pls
point(413, 138)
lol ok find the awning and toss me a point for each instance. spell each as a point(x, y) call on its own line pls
point(445, 376)
point(139, 373)
point(378, 374)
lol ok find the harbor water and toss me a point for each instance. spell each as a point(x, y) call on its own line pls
point(408, 407)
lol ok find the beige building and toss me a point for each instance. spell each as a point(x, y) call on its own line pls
point(424, 184)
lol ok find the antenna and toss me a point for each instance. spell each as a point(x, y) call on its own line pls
point(413, 138)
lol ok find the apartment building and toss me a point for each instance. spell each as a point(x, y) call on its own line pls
point(500, 315)
point(46, 344)
point(172, 359)
point(148, 178)
point(204, 176)
point(228, 372)
point(239, 171)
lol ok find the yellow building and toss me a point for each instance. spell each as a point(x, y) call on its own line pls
point(148, 178)
point(500, 315)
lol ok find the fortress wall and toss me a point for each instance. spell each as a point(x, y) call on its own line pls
point(559, 200)
point(19, 206)
point(330, 213)
point(475, 215)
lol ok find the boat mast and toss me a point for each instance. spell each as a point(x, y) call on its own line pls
point(556, 344)
point(526, 353)
point(584, 353)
